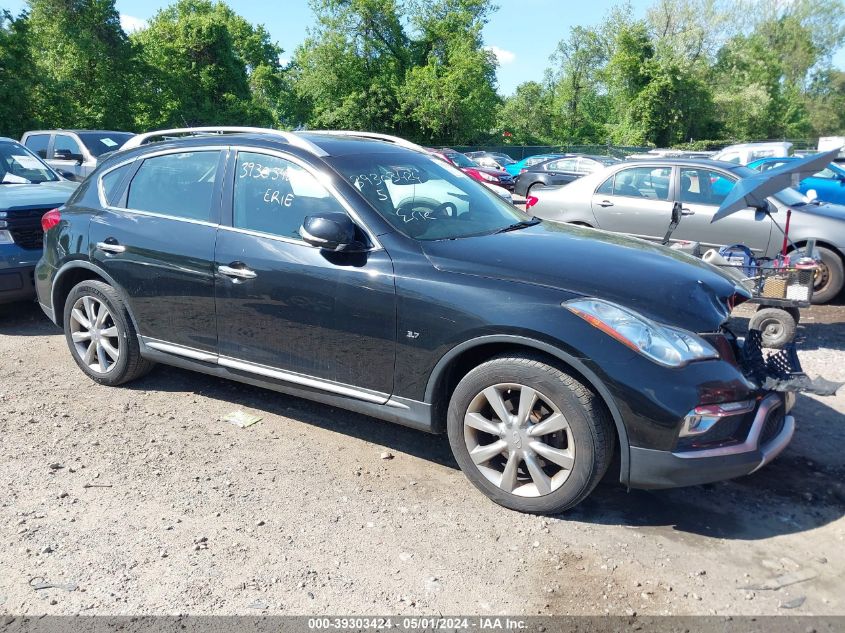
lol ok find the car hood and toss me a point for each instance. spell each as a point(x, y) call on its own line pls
point(824, 210)
point(666, 285)
point(45, 194)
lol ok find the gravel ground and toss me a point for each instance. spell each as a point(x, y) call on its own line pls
point(143, 500)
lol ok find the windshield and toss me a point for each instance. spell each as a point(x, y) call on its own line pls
point(460, 160)
point(99, 143)
point(425, 198)
point(18, 165)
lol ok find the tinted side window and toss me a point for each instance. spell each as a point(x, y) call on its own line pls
point(66, 143)
point(273, 195)
point(180, 185)
point(112, 182)
point(643, 182)
point(38, 144)
point(702, 186)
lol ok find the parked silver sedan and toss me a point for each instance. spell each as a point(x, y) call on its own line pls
point(636, 198)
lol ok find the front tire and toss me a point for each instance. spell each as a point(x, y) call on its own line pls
point(100, 335)
point(830, 277)
point(528, 435)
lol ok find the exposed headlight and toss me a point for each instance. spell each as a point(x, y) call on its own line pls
point(663, 344)
point(488, 177)
point(6, 238)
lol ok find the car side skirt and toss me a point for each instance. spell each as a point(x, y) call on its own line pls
point(404, 411)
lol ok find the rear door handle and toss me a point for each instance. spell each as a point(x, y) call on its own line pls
point(111, 246)
point(605, 203)
point(237, 270)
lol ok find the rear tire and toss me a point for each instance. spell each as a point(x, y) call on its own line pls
point(100, 335)
point(830, 277)
point(555, 445)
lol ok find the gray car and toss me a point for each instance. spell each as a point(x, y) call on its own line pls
point(74, 153)
point(636, 198)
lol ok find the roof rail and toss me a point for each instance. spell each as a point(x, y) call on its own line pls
point(396, 140)
point(290, 137)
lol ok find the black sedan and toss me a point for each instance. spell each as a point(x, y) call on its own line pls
point(560, 171)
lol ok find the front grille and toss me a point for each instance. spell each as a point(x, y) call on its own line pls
point(773, 425)
point(25, 227)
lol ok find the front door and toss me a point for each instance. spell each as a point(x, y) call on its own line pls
point(285, 305)
point(156, 240)
point(635, 201)
point(701, 191)
point(67, 154)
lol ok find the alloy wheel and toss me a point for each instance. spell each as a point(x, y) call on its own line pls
point(95, 336)
point(519, 440)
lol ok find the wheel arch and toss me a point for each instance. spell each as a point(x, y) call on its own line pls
point(453, 365)
point(71, 274)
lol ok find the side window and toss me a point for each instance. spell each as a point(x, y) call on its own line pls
point(273, 195)
point(180, 185)
point(64, 145)
point(530, 162)
point(827, 172)
point(586, 166)
point(651, 183)
point(606, 187)
point(702, 186)
point(112, 182)
point(38, 144)
point(564, 164)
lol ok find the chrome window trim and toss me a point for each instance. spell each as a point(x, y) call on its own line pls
point(321, 178)
point(101, 194)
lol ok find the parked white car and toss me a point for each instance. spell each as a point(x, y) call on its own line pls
point(744, 153)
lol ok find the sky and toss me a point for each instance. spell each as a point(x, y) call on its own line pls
point(522, 33)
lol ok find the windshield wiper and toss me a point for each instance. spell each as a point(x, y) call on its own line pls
point(519, 225)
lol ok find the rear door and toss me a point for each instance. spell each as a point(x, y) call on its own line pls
point(635, 201)
point(286, 306)
point(701, 191)
point(156, 239)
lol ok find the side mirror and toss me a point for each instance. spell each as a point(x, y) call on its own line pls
point(331, 232)
point(66, 154)
point(812, 194)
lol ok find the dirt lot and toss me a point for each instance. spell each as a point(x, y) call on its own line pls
point(142, 500)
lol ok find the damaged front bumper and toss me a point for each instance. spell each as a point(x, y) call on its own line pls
point(770, 432)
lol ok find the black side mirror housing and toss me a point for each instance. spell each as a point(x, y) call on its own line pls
point(66, 154)
point(331, 232)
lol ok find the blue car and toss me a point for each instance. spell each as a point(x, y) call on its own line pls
point(829, 184)
point(521, 165)
point(28, 189)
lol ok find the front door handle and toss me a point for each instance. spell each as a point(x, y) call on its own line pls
point(111, 246)
point(685, 211)
point(237, 270)
point(605, 203)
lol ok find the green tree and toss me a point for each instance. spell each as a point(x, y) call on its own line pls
point(195, 57)
point(17, 76)
point(417, 69)
point(579, 103)
point(84, 64)
point(527, 115)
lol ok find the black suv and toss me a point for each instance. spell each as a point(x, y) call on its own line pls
point(356, 270)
